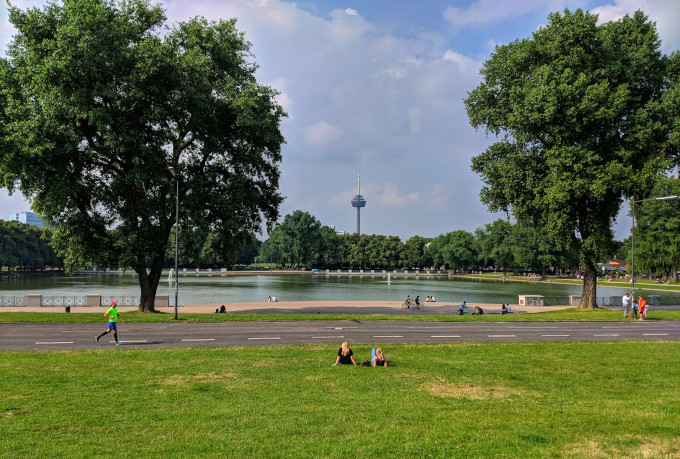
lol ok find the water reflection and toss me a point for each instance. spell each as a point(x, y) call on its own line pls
point(294, 287)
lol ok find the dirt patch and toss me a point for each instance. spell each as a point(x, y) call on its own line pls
point(199, 378)
point(650, 448)
point(470, 391)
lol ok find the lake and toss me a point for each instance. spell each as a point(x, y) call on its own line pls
point(293, 287)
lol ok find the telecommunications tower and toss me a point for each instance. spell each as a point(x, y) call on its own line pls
point(358, 202)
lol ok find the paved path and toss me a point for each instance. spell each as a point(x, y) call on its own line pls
point(303, 307)
point(42, 336)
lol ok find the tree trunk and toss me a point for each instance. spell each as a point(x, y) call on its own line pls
point(589, 294)
point(544, 275)
point(148, 282)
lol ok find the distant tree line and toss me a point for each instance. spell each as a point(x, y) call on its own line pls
point(657, 231)
point(301, 241)
point(199, 251)
point(25, 246)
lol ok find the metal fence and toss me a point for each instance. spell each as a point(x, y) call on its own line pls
point(20, 300)
point(63, 301)
point(121, 300)
point(12, 300)
point(607, 300)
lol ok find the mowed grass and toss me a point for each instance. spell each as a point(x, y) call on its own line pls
point(575, 399)
point(570, 314)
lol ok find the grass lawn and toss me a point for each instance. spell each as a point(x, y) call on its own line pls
point(595, 399)
point(571, 314)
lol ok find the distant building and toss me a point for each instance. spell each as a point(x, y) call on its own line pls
point(338, 232)
point(27, 217)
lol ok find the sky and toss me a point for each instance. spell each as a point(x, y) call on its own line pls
point(377, 87)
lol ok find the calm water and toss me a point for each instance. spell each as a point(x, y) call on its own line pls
point(245, 288)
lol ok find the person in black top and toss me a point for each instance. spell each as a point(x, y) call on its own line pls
point(345, 355)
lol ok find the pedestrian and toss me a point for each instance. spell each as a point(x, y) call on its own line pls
point(112, 315)
point(626, 305)
point(635, 309)
point(643, 308)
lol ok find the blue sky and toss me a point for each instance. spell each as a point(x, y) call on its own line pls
point(377, 86)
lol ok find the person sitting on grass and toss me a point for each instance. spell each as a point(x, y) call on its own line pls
point(379, 359)
point(345, 355)
point(479, 311)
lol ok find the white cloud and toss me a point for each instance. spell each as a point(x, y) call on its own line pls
point(488, 11)
point(666, 14)
point(322, 134)
point(465, 64)
point(348, 25)
point(391, 196)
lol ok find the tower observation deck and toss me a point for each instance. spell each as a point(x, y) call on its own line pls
point(358, 202)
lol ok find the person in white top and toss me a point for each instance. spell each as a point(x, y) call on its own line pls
point(626, 305)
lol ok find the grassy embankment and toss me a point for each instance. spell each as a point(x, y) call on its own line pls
point(571, 314)
point(594, 399)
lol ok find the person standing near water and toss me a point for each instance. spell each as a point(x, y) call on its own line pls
point(626, 305)
point(112, 315)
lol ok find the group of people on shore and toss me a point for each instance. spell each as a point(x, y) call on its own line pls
point(463, 308)
point(271, 299)
point(346, 357)
point(479, 311)
point(639, 306)
point(415, 303)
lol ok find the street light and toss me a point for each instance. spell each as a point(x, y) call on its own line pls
point(172, 171)
point(632, 252)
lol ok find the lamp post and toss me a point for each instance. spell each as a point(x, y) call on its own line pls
point(172, 171)
point(632, 252)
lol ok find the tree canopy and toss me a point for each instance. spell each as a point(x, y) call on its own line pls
point(577, 109)
point(657, 231)
point(98, 101)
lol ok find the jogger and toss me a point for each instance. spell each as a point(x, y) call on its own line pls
point(112, 315)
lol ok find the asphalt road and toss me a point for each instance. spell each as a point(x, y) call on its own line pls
point(24, 336)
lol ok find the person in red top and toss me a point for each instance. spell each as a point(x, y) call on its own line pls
point(643, 308)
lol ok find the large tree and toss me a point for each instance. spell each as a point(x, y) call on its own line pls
point(98, 101)
point(576, 108)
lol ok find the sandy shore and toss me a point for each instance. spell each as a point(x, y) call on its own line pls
point(306, 307)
